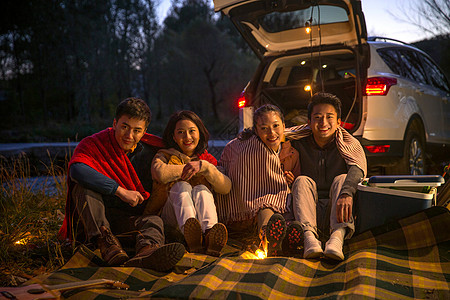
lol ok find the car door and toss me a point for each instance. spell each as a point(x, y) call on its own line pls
point(439, 87)
point(271, 27)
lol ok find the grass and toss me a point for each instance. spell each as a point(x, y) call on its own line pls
point(30, 217)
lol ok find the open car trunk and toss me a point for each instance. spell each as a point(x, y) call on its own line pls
point(289, 82)
point(305, 46)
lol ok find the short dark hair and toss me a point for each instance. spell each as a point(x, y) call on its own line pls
point(191, 116)
point(324, 98)
point(135, 108)
point(248, 132)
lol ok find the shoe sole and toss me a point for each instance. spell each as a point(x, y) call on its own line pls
point(193, 235)
point(294, 236)
point(313, 254)
point(162, 259)
point(118, 259)
point(334, 255)
point(275, 233)
point(218, 237)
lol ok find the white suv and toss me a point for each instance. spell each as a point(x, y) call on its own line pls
point(395, 99)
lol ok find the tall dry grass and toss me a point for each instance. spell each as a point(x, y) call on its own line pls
point(31, 212)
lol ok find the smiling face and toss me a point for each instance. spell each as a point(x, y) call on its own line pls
point(187, 136)
point(270, 129)
point(128, 132)
point(323, 123)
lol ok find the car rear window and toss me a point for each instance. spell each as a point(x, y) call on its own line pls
point(323, 14)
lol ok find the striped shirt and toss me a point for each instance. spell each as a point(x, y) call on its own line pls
point(257, 181)
point(348, 146)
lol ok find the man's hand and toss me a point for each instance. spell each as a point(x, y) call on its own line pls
point(131, 197)
point(289, 177)
point(190, 169)
point(344, 208)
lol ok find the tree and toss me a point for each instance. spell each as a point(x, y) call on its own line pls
point(431, 16)
point(204, 67)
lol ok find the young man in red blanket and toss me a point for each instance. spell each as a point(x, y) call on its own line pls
point(109, 177)
point(332, 164)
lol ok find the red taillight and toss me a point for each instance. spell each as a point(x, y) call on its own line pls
point(378, 148)
point(241, 101)
point(379, 86)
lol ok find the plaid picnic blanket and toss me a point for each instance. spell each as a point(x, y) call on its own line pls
point(406, 259)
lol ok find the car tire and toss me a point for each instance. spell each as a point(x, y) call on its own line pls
point(413, 161)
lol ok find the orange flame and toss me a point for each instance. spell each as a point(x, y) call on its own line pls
point(260, 254)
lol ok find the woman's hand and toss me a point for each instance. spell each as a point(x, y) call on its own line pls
point(190, 169)
point(289, 177)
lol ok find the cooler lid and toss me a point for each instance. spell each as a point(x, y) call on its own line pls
point(383, 191)
point(406, 180)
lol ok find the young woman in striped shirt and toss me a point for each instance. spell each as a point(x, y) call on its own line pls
point(260, 179)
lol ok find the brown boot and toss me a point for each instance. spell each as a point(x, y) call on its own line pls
point(157, 257)
point(193, 235)
point(215, 239)
point(110, 248)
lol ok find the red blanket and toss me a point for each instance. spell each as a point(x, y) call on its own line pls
point(102, 153)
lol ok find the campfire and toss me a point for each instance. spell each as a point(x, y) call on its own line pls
point(256, 252)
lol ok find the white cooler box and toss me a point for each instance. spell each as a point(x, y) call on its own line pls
point(388, 198)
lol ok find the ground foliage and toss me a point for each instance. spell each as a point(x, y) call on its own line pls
point(30, 216)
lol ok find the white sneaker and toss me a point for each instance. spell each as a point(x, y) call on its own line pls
point(312, 246)
point(333, 248)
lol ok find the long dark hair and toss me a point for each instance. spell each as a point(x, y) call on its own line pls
point(248, 132)
point(191, 116)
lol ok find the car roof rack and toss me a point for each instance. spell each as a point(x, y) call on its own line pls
point(385, 39)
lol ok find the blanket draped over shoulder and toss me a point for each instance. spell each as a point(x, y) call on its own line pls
point(348, 146)
point(257, 181)
point(101, 152)
point(160, 191)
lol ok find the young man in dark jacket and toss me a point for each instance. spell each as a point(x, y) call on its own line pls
point(332, 164)
point(108, 182)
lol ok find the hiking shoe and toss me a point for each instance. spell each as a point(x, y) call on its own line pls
point(193, 235)
point(312, 246)
point(275, 233)
point(215, 239)
point(333, 249)
point(157, 257)
point(110, 248)
point(294, 237)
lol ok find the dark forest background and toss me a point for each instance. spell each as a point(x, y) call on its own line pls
point(66, 64)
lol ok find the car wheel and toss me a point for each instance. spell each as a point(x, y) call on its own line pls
point(413, 160)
